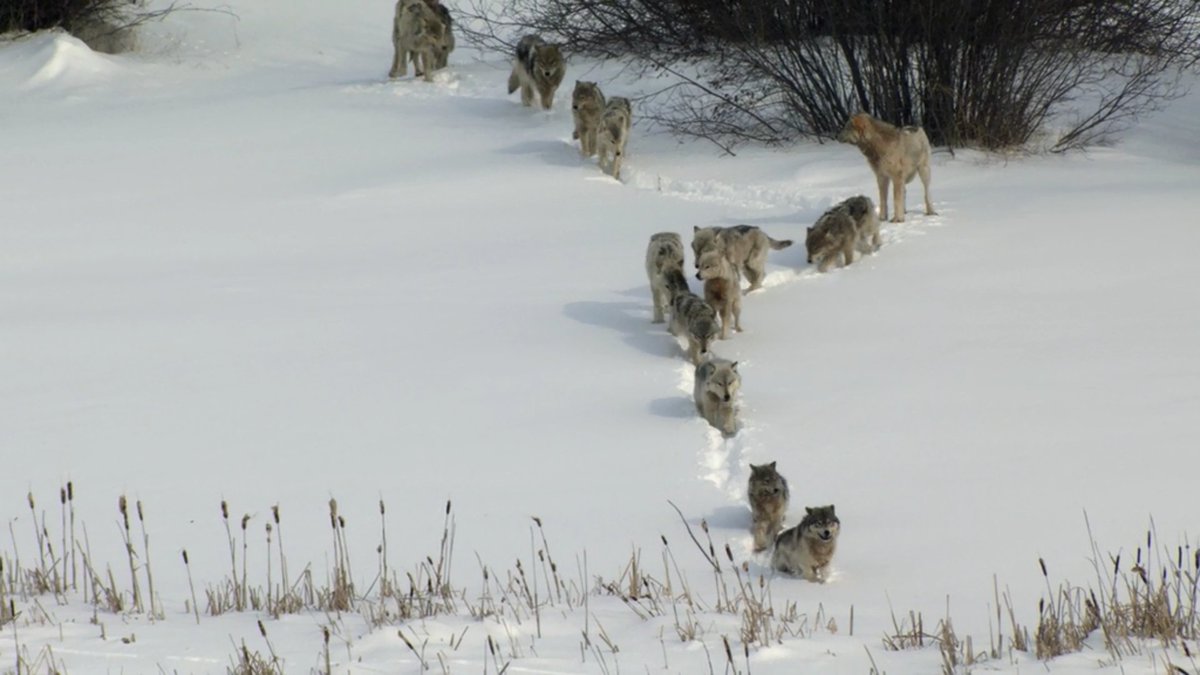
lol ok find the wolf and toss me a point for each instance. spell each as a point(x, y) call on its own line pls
point(895, 155)
point(447, 43)
point(808, 548)
point(538, 66)
point(847, 226)
point(693, 317)
point(717, 384)
point(417, 33)
point(614, 133)
point(664, 254)
point(768, 493)
point(722, 289)
point(745, 246)
point(587, 107)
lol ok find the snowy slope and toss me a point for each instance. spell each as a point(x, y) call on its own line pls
point(244, 266)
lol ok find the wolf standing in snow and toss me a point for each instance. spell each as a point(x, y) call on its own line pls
point(808, 548)
point(614, 134)
point(587, 109)
point(417, 33)
point(768, 493)
point(716, 387)
point(538, 66)
point(446, 44)
point(895, 155)
point(850, 225)
point(745, 246)
point(664, 254)
point(694, 318)
point(722, 289)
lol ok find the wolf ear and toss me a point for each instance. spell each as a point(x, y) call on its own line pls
point(771, 466)
point(808, 510)
point(860, 121)
point(733, 366)
point(831, 509)
point(809, 229)
point(695, 229)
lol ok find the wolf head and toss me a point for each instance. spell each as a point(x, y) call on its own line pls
point(724, 382)
point(820, 522)
point(765, 480)
point(668, 257)
point(712, 265)
point(856, 129)
point(704, 239)
point(585, 92)
point(547, 63)
point(817, 240)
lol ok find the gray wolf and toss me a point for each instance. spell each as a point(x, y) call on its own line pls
point(614, 133)
point(446, 44)
point(417, 33)
point(745, 246)
point(694, 318)
point(665, 253)
point(587, 107)
point(722, 289)
point(768, 493)
point(847, 226)
point(808, 548)
point(895, 155)
point(717, 384)
point(538, 66)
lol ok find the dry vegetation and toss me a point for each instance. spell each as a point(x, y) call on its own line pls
point(1149, 600)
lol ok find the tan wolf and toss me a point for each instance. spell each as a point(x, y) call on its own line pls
point(664, 254)
point(808, 548)
point(847, 226)
point(768, 493)
point(895, 155)
point(417, 33)
point(614, 134)
point(693, 318)
point(745, 246)
point(722, 289)
point(716, 388)
point(538, 66)
point(587, 107)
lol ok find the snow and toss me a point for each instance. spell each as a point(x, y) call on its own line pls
point(244, 266)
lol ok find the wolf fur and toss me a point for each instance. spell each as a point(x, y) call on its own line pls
point(587, 107)
point(808, 548)
point(850, 225)
point(665, 253)
point(722, 289)
point(613, 134)
point(895, 155)
point(745, 246)
point(447, 43)
point(693, 318)
point(538, 66)
point(768, 493)
point(716, 388)
point(417, 33)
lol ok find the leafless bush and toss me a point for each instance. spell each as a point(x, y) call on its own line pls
point(992, 73)
point(105, 25)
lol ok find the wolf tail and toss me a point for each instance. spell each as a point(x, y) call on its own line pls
point(779, 245)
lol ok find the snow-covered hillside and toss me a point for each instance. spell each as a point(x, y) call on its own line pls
point(243, 266)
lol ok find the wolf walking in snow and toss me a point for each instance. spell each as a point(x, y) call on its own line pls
point(768, 493)
point(446, 44)
point(745, 246)
point(722, 289)
point(716, 387)
point(808, 548)
point(664, 254)
point(613, 134)
point(693, 318)
point(417, 33)
point(896, 155)
point(587, 109)
point(537, 66)
point(848, 226)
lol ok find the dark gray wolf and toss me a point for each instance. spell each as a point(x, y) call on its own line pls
point(663, 254)
point(768, 493)
point(587, 109)
point(716, 387)
point(745, 246)
point(895, 155)
point(808, 548)
point(693, 318)
point(538, 66)
point(848, 226)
